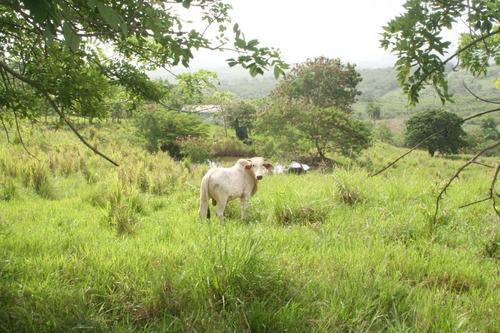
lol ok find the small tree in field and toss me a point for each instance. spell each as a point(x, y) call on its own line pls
point(489, 127)
point(241, 113)
point(373, 111)
point(424, 124)
point(164, 129)
point(322, 82)
point(384, 133)
point(309, 110)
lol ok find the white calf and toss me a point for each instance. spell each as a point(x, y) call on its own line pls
point(225, 184)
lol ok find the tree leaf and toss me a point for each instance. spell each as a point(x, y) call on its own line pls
point(253, 70)
point(110, 16)
point(278, 71)
point(92, 3)
point(38, 9)
point(71, 38)
point(253, 43)
point(240, 43)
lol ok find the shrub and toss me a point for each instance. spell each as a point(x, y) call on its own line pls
point(289, 207)
point(424, 124)
point(161, 128)
point(232, 147)
point(347, 188)
point(36, 176)
point(384, 133)
point(122, 204)
point(195, 149)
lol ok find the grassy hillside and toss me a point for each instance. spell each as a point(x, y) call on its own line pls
point(381, 86)
point(86, 246)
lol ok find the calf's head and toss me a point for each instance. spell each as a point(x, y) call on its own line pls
point(257, 166)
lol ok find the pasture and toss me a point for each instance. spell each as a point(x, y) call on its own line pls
point(86, 246)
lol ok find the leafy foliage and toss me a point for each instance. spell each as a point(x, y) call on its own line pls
point(161, 129)
point(373, 110)
point(241, 113)
point(308, 110)
point(299, 128)
point(489, 127)
point(66, 53)
point(424, 124)
point(195, 149)
point(384, 133)
point(192, 88)
point(416, 38)
point(323, 82)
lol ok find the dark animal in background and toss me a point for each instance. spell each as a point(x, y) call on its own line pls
point(298, 168)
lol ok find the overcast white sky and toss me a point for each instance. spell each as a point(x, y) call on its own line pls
point(347, 29)
point(303, 29)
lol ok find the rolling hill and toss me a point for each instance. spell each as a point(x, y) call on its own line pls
point(381, 86)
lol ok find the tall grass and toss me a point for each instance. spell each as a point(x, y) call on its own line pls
point(7, 189)
point(122, 249)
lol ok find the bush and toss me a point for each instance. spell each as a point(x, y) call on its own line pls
point(123, 204)
point(36, 176)
point(477, 140)
point(384, 133)
point(347, 188)
point(160, 129)
point(195, 149)
point(424, 124)
point(233, 147)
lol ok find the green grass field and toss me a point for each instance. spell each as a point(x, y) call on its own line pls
point(86, 246)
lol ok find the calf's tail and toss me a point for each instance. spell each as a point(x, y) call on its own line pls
point(204, 197)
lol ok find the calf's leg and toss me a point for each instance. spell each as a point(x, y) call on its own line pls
point(221, 206)
point(244, 204)
point(204, 211)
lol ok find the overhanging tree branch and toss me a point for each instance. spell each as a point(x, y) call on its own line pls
point(5, 128)
point(440, 195)
point(21, 138)
point(454, 55)
point(36, 86)
point(476, 96)
point(493, 193)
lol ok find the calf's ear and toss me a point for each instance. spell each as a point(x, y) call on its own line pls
point(269, 166)
point(249, 165)
point(243, 162)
